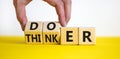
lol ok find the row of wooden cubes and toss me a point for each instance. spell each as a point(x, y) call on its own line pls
point(52, 33)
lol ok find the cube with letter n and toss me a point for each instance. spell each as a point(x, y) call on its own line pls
point(51, 32)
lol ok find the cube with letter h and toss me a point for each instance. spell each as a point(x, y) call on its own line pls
point(51, 32)
point(33, 33)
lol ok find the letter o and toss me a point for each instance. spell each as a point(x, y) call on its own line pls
point(51, 23)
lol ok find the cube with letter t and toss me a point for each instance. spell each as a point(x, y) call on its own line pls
point(33, 33)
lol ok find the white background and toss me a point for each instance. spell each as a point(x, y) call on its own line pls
point(102, 14)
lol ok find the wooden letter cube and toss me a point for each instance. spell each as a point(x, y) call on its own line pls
point(51, 32)
point(33, 33)
point(69, 35)
point(87, 36)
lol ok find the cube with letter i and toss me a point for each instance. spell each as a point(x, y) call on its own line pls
point(33, 33)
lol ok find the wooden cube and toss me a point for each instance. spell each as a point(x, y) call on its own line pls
point(69, 35)
point(33, 33)
point(51, 32)
point(87, 36)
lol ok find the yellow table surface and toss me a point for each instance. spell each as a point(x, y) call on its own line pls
point(14, 47)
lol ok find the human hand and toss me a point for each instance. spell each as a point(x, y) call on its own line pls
point(21, 12)
point(63, 9)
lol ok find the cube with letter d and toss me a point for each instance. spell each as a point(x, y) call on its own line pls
point(33, 33)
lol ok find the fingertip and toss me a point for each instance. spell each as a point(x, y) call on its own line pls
point(63, 23)
point(23, 25)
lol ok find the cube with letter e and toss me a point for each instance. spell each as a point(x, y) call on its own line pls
point(69, 35)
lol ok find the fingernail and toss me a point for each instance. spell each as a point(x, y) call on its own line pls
point(64, 24)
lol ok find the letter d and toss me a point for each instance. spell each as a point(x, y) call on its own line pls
point(33, 25)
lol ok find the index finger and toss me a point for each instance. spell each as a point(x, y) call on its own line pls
point(61, 13)
point(67, 7)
